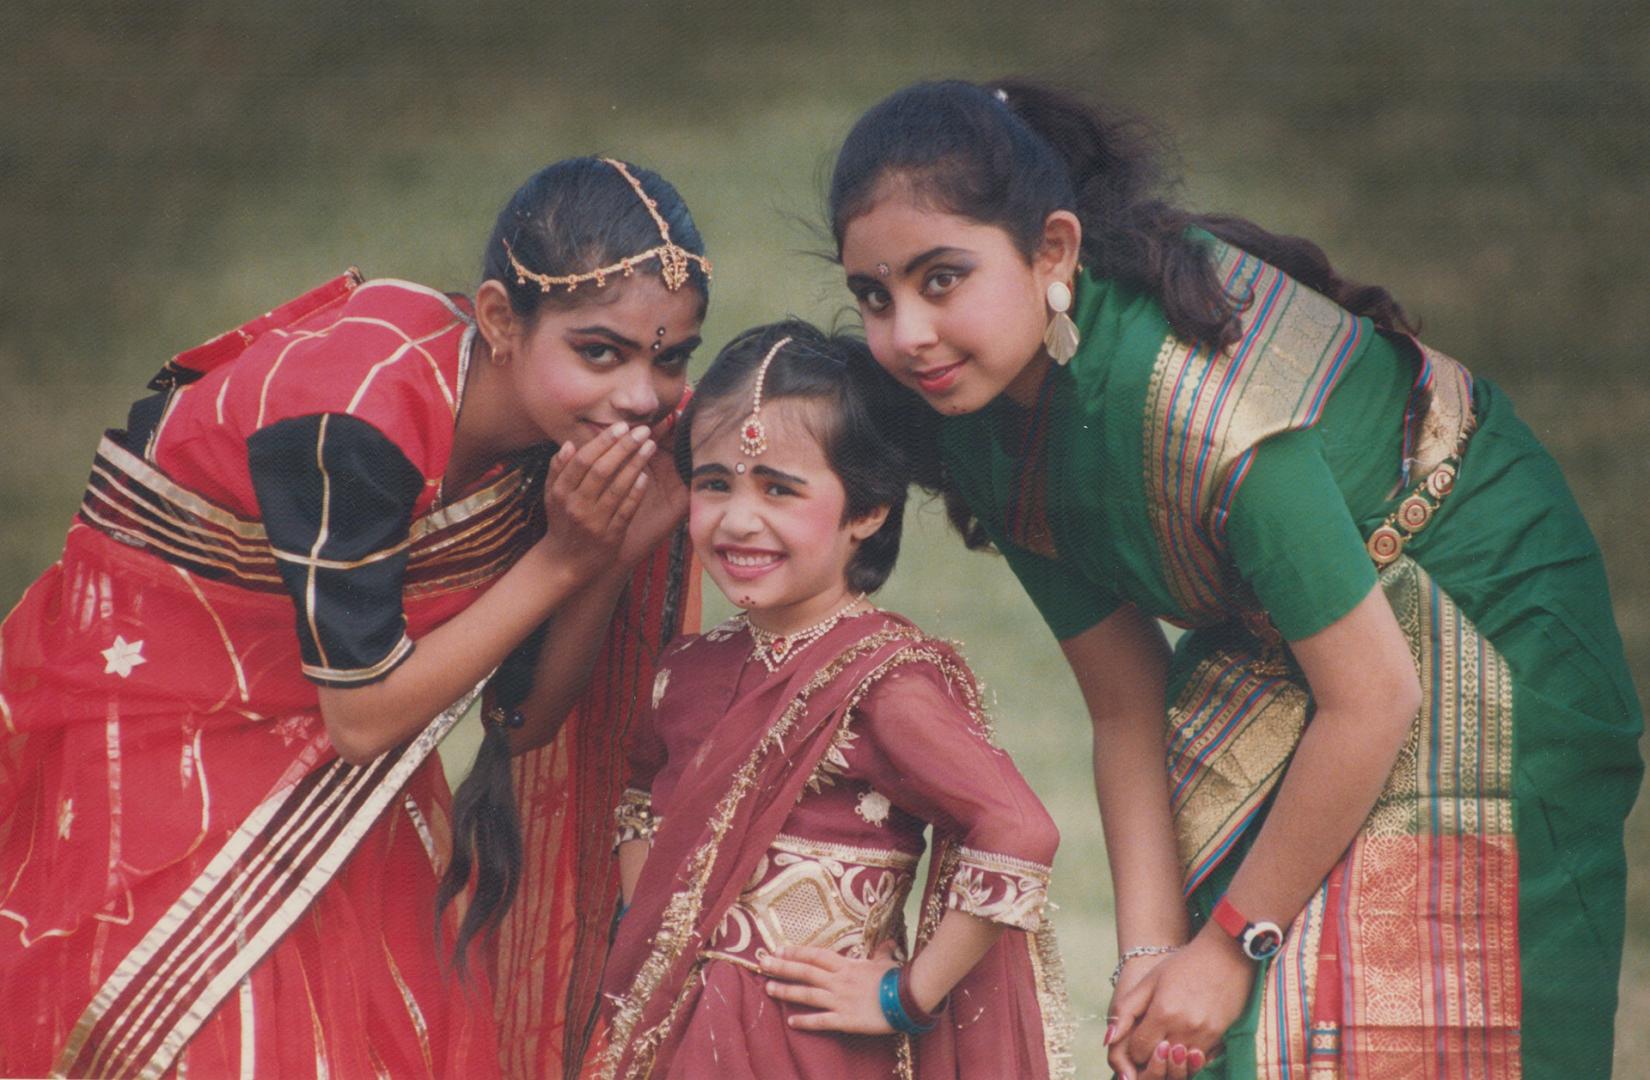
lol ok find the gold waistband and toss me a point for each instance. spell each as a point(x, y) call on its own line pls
point(808, 892)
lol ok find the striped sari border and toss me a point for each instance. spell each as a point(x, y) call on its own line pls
point(251, 892)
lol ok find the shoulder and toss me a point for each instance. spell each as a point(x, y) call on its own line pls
point(393, 356)
point(925, 668)
point(390, 339)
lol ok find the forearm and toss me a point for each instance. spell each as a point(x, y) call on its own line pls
point(1364, 682)
point(959, 942)
point(566, 658)
point(1332, 783)
point(1121, 666)
point(1131, 786)
point(632, 857)
point(363, 722)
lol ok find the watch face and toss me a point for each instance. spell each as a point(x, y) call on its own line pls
point(1262, 940)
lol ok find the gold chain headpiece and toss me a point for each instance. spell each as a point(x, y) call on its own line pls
point(674, 259)
point(753, 437)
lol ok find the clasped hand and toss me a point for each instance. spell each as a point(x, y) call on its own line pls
point(1168, 1017)
point(611, 501)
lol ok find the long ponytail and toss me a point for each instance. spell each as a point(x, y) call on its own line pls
point(1013, 152)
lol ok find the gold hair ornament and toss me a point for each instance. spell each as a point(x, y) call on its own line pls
point(753, 437)
point(674, 260)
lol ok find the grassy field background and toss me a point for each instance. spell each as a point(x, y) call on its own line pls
point(168, 170)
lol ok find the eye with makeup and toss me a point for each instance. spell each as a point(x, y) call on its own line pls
point(674, 361)
point(942, 279)
point(599, 353)
point(872, 298)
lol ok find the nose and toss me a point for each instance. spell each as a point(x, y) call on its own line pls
point(913, 329)
point(635, 398)
point(739, 519)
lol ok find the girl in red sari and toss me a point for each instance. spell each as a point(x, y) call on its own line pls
point(221, 823)
point(796, 753)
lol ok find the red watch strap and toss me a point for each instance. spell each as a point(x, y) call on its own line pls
point(1229, 919)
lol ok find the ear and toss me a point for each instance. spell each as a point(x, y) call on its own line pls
point(1061, 247)
point(495, 318)
point(863, 528)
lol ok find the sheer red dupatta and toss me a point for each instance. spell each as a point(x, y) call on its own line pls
point(727, 807)
point(553, 941)
point(1009, 1016)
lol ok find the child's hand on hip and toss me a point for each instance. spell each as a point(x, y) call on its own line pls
point(843, 990)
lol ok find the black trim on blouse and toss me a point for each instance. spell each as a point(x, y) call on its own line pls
point(337, 498)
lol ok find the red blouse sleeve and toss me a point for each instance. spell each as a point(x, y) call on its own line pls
point(932, 756)
point(634, 818)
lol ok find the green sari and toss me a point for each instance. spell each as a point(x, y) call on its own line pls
point(1475, 925)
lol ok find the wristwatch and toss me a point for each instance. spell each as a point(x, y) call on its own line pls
point(1258, 940)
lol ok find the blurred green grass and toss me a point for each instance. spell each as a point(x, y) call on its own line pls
point(168, 170)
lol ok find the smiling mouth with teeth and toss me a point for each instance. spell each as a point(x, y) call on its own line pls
point(738, 559)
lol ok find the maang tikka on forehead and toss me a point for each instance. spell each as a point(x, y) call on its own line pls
point(674, 259)
point(753, 437)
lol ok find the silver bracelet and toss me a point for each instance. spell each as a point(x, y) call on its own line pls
point(1138, 951)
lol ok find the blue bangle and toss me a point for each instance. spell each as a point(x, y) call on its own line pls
point(892, 1010)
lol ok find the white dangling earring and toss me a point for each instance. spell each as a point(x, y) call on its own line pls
point(1061, 337)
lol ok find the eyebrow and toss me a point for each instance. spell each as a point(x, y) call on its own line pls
point(687, 345)
point(610, 334)
point(764, 470)
point(916, 261)
point(711, 468)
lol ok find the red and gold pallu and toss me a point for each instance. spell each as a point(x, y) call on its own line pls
point(1406, 960)
point(192, 881)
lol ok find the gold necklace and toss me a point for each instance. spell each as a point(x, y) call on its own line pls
point(774, 649)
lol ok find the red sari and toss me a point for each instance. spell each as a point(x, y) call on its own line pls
point(191, 881)
point(788, 807)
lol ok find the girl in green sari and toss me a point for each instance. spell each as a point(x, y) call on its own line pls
point(1366, 817)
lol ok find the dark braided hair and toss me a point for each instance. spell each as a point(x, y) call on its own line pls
point(568, 218)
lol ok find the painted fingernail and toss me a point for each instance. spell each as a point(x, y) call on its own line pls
point(1178, 1054)
point(1194, 1059)
point(1111, 1033)
point(1162, 1052)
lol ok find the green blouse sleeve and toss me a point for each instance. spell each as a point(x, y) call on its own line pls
point(1292, 538)
point(1068, 601)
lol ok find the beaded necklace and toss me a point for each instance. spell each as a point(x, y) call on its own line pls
point(774, 649)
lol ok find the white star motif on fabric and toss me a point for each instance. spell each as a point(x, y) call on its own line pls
point(121, 657)
point(873, 807)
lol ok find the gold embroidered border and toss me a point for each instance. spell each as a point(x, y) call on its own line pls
point(1201, 417)
point(885, 858)
point(1430, 905)
point(808, 893)
point(1053, 1002)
